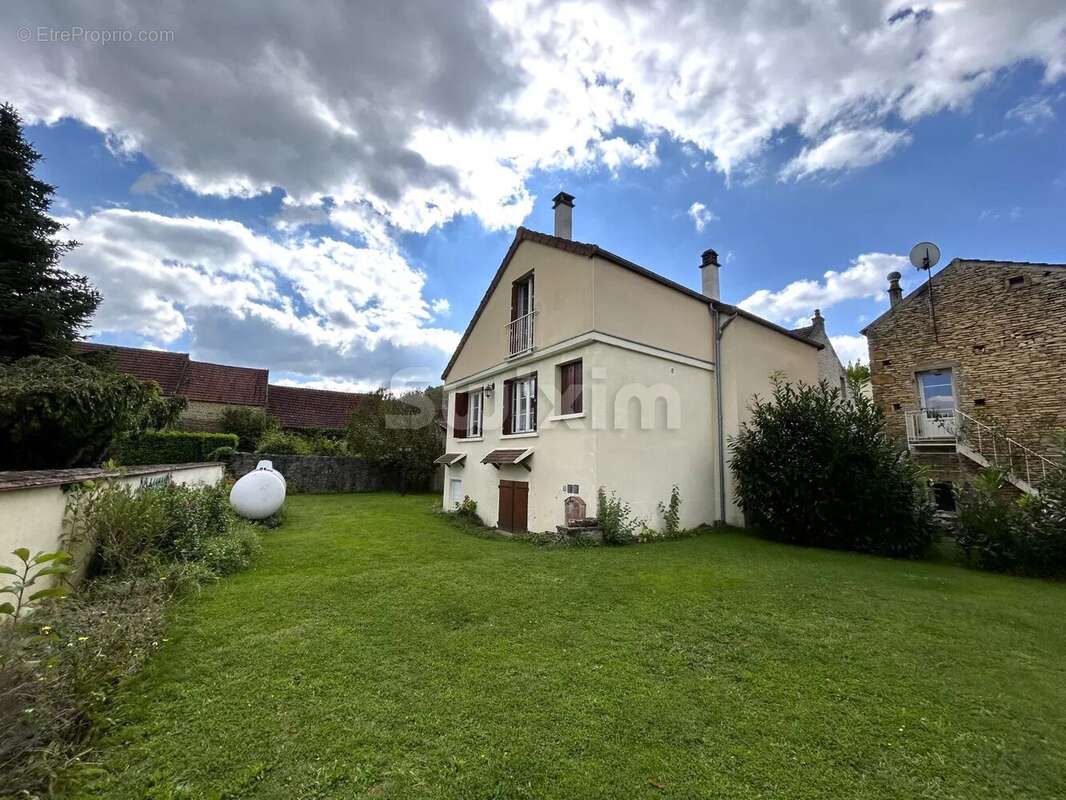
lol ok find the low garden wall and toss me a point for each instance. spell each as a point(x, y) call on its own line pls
point(33, 503)
point(327, 473)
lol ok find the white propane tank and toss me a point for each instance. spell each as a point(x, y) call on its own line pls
point(260, 493)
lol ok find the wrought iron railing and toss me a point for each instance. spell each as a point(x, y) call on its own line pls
point(520, 334)
point(930, 426)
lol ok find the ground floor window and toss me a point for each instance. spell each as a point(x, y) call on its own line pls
point(455, 491)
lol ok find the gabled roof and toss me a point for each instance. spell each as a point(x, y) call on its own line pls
point(166, 369)
point(221, 383)
point(593, 250)
point(296, 407)
point(957, 262)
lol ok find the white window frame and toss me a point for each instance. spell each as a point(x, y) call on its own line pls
point(523, 405)
point(452, 483)
point(475, 411)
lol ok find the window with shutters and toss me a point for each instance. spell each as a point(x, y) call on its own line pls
point(520, 330)
point(520, 405)
point(469, 413)
point(570, 389)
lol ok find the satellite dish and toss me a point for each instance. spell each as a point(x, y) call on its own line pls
point(924, 255)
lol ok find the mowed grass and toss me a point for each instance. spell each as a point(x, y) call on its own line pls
point(377, 651)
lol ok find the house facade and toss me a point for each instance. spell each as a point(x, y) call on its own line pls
point(968, 371)
point(830, 369)
point(211, 389)
point(581, 369)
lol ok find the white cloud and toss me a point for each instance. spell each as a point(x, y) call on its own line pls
point(441, 307)
point(848, 149)
point(701, 215)
point(1032, 111)
point(312, 306)
point(851, 348)
point(420, 112)
point(864, 278)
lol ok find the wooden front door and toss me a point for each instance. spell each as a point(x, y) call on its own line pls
point(514, 505)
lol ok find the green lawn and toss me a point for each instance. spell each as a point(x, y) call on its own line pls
point(377, 651)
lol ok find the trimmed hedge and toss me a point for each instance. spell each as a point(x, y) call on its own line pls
point(171, 447)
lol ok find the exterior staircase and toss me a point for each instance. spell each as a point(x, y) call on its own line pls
point(955, 431)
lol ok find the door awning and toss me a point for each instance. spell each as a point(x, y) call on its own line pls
point(450, 459)
point(509, 456)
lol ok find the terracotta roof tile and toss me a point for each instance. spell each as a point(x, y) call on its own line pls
point(296, 407)
point(219, 383)
point(166, 369)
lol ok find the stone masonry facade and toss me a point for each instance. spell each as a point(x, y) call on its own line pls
point(1001, 328)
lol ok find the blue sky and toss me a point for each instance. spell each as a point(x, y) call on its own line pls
point(335, 217)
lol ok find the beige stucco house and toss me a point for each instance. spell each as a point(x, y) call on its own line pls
point(581, 369)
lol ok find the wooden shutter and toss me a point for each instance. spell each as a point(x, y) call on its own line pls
point(570, 393)
point(462, 409)
point(508, 415)
point(515, 289)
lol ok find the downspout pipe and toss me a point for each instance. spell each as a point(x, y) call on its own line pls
point(719, 329)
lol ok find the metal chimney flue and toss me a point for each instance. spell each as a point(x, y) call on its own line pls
point(563, 204)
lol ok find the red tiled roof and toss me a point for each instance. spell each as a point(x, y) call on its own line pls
point(219, 383)
point(296, 407)
point(166, 369)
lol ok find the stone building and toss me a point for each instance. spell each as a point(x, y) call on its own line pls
point(830, 369)
point(969, 371)
point(210, 389)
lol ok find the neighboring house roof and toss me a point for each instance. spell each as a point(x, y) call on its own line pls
point(177, 374)
point(590, 251)
point(221, 383)
point(952, 265)
point(296, 407)
point(166, 369)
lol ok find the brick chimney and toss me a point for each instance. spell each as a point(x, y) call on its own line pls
point(709, 267)
point(895, 294)
point(563, 204)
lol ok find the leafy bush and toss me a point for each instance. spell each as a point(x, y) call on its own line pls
point(467, 508)
point(671, 514)
point(616, 518)
point(171, 447)
point(224, 555)
point(399, 434)
point(1025, 535)
point(249, 425)
point(27, 574)
point(62, 412)
point(815, 469)
point(322, 445)
point(280, 443)
point(221, 454)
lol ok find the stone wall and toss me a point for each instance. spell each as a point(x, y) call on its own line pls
point(1005, 344)
point(325, 473)
point(201, 416)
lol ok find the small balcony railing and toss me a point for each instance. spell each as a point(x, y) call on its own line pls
point(520, 334)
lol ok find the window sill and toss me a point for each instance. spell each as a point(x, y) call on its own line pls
point(562, 417)
point(470, 439)
point(527, 435)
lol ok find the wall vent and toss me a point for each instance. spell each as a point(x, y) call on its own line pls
point(571, 488)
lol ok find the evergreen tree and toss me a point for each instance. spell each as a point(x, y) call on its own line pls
point(42, 308)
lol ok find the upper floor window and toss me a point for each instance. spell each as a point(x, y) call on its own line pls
point(520, 405)
point(520, 328)
point(469, 413)
point(571, 400)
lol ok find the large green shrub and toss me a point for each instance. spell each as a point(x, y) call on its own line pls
point(1002, 533)
point(813, 468)
point(170, 447)
point(284, 444)
point(249, 424)
point(399, 434)
point(62, 412)
point(615, 518)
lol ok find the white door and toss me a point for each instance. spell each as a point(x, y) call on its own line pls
point(937, 393)
point(455, 492)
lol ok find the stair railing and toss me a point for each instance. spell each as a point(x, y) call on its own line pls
point(1032, 460)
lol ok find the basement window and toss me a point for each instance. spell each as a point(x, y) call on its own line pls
point(944, 496)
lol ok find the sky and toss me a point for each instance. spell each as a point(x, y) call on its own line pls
point(326, 190)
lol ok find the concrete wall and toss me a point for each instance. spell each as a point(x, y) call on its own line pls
point(33, 517)
point(751, 355)
point(321, 473)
